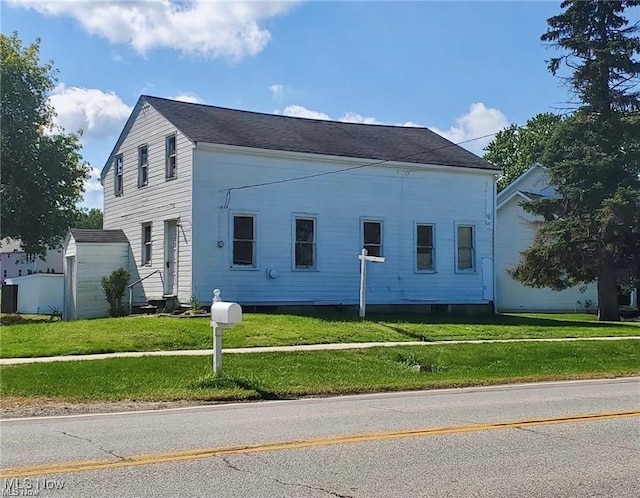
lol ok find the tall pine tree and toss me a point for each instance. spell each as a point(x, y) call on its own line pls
point(592, 228)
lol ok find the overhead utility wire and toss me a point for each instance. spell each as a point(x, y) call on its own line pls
point(374, 163)
point(326, 173)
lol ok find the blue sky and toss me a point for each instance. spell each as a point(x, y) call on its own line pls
point(463, 69)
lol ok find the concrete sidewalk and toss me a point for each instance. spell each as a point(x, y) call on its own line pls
point(309, 347)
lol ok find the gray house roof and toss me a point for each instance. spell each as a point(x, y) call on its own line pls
point(218, 125)
point(95, 236)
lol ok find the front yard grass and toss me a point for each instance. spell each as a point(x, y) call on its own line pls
point(286, 375)
point(155, 333)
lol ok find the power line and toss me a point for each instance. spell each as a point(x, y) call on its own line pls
point(326, 173)
point(382, 161)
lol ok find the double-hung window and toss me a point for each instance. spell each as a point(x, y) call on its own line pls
point(170, 156)
point(118, 176)
point(465, 241)
point(425, 247)
point(372, 237)
point(305, 243)
point(143, 165)
point(244, 240)
point(146, 244)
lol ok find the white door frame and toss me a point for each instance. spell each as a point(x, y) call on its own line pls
point(170, 257)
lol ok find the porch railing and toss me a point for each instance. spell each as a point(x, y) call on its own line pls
point(130, 287)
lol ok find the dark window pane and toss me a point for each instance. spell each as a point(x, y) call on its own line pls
point(243, 227)
point(425, 235)
point(425, 258)
point(304, 230)
point(304, 255)
point(242, 253)
point(171, 146)
point(372, 232)
point(465, 259)
point(465, 236)
point(373, 250)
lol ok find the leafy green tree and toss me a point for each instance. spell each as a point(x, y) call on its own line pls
point(42, 176)
point(89, 218)
point(516, 148)
point(592, 229)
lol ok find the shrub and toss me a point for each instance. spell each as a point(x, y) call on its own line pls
point(114, 286)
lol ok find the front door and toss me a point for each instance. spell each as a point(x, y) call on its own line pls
point(170, 257)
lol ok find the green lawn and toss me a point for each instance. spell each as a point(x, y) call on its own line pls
point(152, 333)
point(283, 375)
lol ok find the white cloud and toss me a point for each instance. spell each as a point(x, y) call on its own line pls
point(352, 117)
point(478, 122)
point(202, 27)
point(276, 90)
point(188, 97)
point(99, 114)
point(297, 111)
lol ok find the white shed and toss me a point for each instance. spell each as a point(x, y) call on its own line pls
point(39, 293)
point(90, 255)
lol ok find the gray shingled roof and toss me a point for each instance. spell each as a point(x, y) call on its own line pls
point(217, 125)
point(90, 235)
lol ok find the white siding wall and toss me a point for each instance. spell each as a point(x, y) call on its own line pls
point(154, 203)
point(94, 261)
point(39, 293)
point(399, 197)
point(513, 235)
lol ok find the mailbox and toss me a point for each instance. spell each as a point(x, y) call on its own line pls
point(224, 313)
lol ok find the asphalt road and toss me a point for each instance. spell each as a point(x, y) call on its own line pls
point(568, 439)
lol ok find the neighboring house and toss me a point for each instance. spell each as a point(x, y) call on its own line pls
point(15, 263)
point(274, 210)
point(514, 233)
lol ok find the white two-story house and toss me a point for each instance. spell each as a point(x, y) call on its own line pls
point(275, 210)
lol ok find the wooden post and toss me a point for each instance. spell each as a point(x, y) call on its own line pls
point(363, 257)
point(363, 283)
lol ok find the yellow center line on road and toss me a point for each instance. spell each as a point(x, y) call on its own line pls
point(178, 456)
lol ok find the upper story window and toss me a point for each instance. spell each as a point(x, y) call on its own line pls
point(372, 237)
point(305, 243)
point(143, 165)
point(425, 248)
point(465, 242)
point(146, 244)
point(118, 175)
point(244, 240)
point(170, 156)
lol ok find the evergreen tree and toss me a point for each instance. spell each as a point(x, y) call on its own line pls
point(592, 228)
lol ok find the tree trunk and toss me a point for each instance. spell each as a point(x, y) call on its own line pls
point(608, 293)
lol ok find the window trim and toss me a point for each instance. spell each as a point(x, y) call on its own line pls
point(143, 167)
point(118, 178)
point(380, 221)
point(473, 268)
point(314, 244)
point(254, 216)
point(433, 268)
point(144, 243)
point(168, 156)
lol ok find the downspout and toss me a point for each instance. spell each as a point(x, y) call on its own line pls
point(495, 228)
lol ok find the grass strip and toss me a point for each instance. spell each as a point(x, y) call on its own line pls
point(286, 375)
point(153, 333)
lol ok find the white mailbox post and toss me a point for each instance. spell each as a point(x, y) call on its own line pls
point(223, 316)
